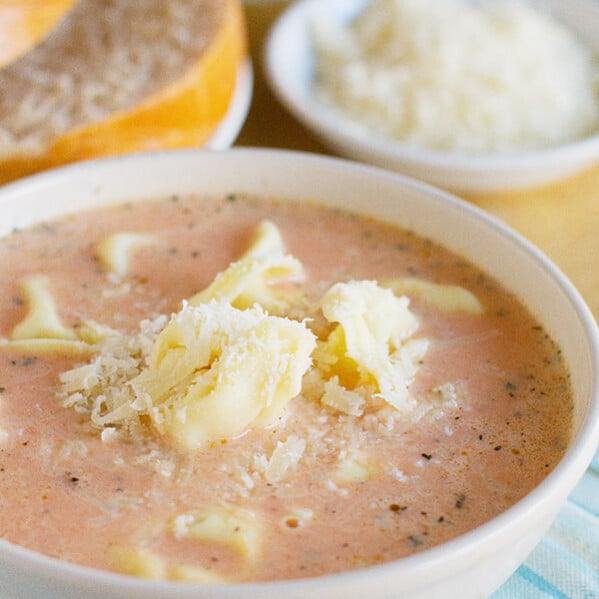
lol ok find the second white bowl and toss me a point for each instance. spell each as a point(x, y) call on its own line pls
point(289, 65)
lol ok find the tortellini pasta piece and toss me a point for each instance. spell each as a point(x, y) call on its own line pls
point(236, 529)
point(142, 562)
point(253, 279)
point(354, 469)
point(138, 561)
point(370, 345)
point(450, 298)
point(115, 251)
point(215, 371)
point(42, 329)
point(42, 320)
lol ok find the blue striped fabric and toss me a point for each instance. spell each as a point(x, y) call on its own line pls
point(565, 565)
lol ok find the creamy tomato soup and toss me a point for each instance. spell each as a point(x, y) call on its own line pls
point(323, 487)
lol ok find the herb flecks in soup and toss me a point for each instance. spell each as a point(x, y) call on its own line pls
point(242, 389)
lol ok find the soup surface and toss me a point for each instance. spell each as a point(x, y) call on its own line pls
point(330, 483)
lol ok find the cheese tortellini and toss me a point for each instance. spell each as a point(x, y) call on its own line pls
point(230, 360)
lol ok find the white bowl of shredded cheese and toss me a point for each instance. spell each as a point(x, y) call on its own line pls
point(470, 96)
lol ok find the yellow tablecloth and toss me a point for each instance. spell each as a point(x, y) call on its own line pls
point(561, 219)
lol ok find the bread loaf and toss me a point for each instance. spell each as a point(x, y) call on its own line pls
point(118, 76)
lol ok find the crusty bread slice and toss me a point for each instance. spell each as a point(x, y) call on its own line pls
point(117, 76)
point(23, 23)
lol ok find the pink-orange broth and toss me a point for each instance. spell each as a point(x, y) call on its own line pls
point(65, 493)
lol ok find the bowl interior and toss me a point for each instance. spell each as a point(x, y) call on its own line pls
point(429, 212)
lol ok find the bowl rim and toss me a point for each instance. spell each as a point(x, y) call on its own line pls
point(292, 89)
point(230, 126)
point(452, 552)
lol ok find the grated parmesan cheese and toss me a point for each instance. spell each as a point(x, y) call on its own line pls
point(459, 75)
point(345, 400)
point(286, 455)
point(102, 388)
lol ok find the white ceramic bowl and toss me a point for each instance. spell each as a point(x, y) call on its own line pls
point(470, 566)
point(289, 60)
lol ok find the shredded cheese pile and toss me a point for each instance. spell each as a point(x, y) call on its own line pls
point(457, 75)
